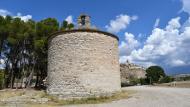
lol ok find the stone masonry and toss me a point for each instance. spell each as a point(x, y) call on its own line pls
point(83, 63)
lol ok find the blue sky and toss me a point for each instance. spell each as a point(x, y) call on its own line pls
point(151, 32)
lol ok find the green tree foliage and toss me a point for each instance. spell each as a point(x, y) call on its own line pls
point(185, 78)
point(23, 46)
point(166, 79)
point(1, 79)
point(144, 81)
point(66, 26)
point(5, 24)
point(154, 73)
point(44, 29)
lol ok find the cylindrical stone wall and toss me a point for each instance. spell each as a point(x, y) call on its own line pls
point(83, 63)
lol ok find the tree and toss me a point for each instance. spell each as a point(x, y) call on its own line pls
point(43, 29)
point(17, 35)
point(23, 46)
point(154, 73)
point(4, 31)
point(66, 26)
point(166, 79)
point(1, 79)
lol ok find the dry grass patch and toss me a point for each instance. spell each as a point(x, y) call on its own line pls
point(90, 100)
point(29, 96)
point(10, 93)
point(54, 101)
point(178, 84)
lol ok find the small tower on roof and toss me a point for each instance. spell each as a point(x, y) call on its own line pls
point(84, 21)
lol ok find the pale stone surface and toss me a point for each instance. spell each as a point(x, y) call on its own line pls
point(83, 64)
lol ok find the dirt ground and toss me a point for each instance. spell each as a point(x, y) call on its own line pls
point(147, 96)
point(181, 84)
point(142, 96)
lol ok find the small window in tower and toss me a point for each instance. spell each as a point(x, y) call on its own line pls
point(83, 20)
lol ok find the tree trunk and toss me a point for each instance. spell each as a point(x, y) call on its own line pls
point(11, 85)
point(37, 80)
point(30, 78)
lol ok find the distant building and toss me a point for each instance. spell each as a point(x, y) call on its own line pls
point(180, 77)
point(131, 71)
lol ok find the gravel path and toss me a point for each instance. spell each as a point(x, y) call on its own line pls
point(147, 96)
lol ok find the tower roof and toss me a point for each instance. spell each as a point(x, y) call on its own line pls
point(83, 26)
point(84, 21)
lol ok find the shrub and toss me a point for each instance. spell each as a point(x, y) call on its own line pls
point(134, 81)
point(154, 73)
point(144, 81)
point(166, 79)
point(1, 79)
point(186, 78)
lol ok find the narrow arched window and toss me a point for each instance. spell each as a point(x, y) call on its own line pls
point(83, 20)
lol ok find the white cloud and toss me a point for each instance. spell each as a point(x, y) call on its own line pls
point(177, 62)
point(156, 24)
point(4, 12)
point(173, 24)
point(168, 47)
point(123, 59)
point(121, 22)
point(69, 19)
point(24, 18)
point(128, 45)
point(186, 6)
point(2, 64)
point(19, 15)
point(186, 24)
point(2, 61)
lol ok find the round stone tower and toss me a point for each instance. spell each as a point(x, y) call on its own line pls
point(83, 62)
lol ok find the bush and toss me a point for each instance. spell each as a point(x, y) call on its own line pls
point(1, 79)
point(166, 79)
point(154, 73)
point(124, 84)
point(134, 81)
point(186, 78)
point(144, 81)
